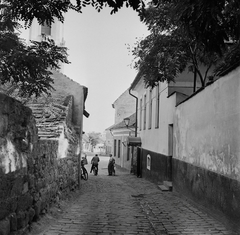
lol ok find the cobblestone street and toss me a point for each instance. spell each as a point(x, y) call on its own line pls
point(125, 204)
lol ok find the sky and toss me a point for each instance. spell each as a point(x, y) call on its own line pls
point(100, 58)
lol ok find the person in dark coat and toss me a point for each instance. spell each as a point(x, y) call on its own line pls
point(95, 160)
point(111, 165)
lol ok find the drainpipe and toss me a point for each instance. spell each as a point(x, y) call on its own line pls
point(136, 120)
point(132, 170)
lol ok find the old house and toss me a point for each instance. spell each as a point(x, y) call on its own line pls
point(189, 141)
point(116, 135)
point(120, 149)
point(155, 111)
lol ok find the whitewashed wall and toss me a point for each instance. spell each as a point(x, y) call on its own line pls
point(207, 127)
point(156, 139)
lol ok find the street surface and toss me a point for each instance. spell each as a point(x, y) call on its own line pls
point(125, 204)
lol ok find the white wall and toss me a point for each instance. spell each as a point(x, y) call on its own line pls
point(207, 127)
point(156, 139)
point(124, 106)
point(122, 135)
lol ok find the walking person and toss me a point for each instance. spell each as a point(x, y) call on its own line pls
point(111, 165)
point(84, 173)
point(95, 160)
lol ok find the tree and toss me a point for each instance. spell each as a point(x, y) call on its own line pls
point(211, 22)
point(168, 50)
point(213, 26)
point(28, 67)
point(94, 138)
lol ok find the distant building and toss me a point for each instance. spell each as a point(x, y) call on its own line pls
point(39, 32)
point(116, 137)
point(124, 106)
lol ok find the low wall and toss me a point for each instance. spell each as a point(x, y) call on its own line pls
point(218, 193)
point(158, 168)
point(32, 175)
point(206, 146)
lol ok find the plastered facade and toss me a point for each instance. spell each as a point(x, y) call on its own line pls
point(207, 130)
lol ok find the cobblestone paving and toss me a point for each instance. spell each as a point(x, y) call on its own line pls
point(125, 204)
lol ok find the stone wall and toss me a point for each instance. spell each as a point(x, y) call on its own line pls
point(32, 175)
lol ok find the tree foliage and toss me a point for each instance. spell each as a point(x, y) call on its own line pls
point(168, 50)
point(94, 138)
point(180, 38)
point(28, 66)
point(212, 22)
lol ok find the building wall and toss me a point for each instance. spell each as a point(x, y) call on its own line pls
point(207, 128)
point(57, 32)
point(156, 167)
point(120, 153)
point(124, 106)
point(156, 138)
point(206, 163)
point(109, 142)
point(65, 87)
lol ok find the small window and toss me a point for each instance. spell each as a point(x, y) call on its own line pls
point(150, 110)
point(157, 113)
point(119, 148)
point(145, 112)
point(128, 153)
point(46, 30)
point(148, 162)
point(115, 147)
point(140, 112)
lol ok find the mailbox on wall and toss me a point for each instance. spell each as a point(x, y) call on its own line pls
point(134, 141)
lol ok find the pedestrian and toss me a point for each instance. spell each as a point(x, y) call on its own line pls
point(111, 165)
point(95, 160)
point(84, 160)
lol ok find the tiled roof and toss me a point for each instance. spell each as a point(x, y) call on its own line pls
point(51, 112)
point(50, 118)
point(122, 124)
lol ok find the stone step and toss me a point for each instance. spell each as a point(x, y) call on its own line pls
point(163, 187)
point(168, 184)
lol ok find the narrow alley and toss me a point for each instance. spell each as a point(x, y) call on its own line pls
point(125, 204)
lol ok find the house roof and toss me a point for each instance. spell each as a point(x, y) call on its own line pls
point(121, 124)
point(51, 117)
point(52, 113)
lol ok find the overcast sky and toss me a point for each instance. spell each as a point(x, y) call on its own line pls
point(100, 59)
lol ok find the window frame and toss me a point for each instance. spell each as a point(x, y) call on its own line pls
point(144, 112)
point(150, 110)
point(157, 113)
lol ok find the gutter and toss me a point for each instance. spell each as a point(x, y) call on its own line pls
point(136, 120)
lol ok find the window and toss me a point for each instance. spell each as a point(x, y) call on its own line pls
point(148, 162)
point(115, 147)
point(119, 147)
point(128, 153)
point(144, 112)
point(150, 110)
point(170, 139)
point(45, 29)
point(157, 107)
point(140, 115)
